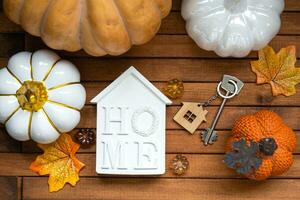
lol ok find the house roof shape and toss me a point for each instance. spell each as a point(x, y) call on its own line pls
point(132, 72)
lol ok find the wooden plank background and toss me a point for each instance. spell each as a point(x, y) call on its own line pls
point(171, 54)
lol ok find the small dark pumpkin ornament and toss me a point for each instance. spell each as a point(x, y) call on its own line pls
point(260, 146)
point(85, 136)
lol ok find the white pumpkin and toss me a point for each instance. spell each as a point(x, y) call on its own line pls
point(40, 96)
point(232, 27)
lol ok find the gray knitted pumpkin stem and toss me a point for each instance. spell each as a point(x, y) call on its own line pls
point(267, 146)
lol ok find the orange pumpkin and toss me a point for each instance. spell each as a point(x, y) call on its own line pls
point(99, 27)
point(271, 140)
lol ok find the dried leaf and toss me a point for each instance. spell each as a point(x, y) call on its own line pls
point(278, 70)
point(59, 162)
point(244, 157)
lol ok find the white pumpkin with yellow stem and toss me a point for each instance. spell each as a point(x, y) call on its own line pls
point(40, 96)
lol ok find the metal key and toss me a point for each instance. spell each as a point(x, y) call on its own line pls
point(232, 86)
point(228, 86)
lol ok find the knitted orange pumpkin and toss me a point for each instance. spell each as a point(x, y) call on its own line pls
point(260, 146)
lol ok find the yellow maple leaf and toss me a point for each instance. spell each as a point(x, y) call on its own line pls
point(278, 70)
point(60, 162)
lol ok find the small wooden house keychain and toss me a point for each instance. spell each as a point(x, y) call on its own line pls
point(191, 115)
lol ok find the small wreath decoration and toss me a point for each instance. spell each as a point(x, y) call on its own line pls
point(149, 131)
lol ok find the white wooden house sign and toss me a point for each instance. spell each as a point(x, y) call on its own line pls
point(131, 118)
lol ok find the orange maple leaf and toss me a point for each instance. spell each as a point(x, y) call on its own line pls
point(60, 162)
point(278, 70)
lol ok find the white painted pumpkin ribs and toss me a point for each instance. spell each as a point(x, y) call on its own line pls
point(37, 93)
point(232, 27)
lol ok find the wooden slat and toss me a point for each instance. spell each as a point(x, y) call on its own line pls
point(7, 26)
point(183, 46)
point(176, 6)
point(290, 23)
point(9, 188)
point(203, 70)
point(200, 70)
point(164, 189)
point(230, 114)
point(251, 95)
point(169, 46)
point(290, 5)
point(201, 166)
point(11, 44)
point(8, 144)
point(188, 70)
point(177, 141)
point(175, 24)
point(20, 187)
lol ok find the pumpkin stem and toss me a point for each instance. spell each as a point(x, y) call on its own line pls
point(267, 146)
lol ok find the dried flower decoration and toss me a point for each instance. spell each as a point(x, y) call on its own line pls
point(85, 136)
point(179, 165)
point(174, 89)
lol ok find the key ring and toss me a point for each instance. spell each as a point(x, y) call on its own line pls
point(230, 96)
